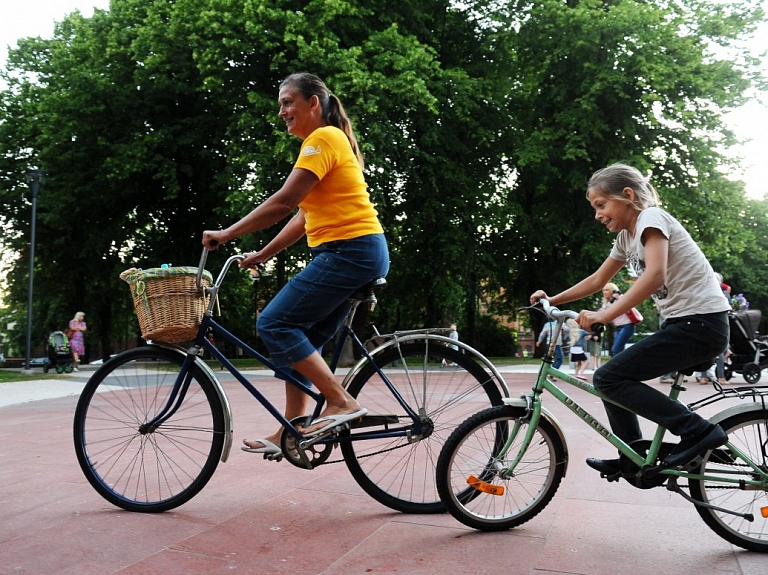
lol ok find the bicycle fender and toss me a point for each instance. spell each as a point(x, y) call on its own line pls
point(397, 339)
point(547, 415)
point(222, 396)
point(737, 410)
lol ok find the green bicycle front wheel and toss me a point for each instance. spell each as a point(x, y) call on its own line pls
point(473, 457)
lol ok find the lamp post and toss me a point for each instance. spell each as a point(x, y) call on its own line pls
point(35, 180)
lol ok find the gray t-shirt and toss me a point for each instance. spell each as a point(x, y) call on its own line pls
point(691, 286)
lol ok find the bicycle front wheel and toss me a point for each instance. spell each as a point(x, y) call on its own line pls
point(471, 471)
point(441, 385)
point(148, 470)
point(749, 433)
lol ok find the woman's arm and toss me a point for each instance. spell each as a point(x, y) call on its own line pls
point(278, 206)
point(292, 232)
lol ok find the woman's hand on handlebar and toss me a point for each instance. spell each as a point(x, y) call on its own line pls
point(252, 259)
point(212, 239)
point(538, 295)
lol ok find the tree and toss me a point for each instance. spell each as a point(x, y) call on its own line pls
point(479, 121)
point(599, 82)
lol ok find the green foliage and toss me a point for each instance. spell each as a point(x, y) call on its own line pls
point(479, 121)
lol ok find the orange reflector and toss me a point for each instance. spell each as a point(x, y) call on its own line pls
point(485, 487)
point(764, 512)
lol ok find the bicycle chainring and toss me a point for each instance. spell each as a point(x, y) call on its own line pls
point(631, 472)
point(309, 458)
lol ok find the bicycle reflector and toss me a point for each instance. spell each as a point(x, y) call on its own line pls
point(485, 487)
point(764, 512)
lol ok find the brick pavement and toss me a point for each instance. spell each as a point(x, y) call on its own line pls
point(260, 517)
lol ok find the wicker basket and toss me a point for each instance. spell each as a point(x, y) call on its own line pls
point(167, 302)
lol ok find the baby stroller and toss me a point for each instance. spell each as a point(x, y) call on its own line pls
point(59, 353)
point(748, 352)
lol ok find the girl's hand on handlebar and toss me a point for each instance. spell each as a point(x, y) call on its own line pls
point(587, 319)
point(212, 239)
point(537, 295)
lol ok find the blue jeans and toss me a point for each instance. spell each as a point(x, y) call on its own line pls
point(682, 344)
point(558, 361)
point(311, 307)
point(621, 336)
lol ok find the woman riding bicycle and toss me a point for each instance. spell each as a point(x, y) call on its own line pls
point(344, 235)
point(675, 273)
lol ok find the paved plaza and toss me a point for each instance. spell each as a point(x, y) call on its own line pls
point(261, 517)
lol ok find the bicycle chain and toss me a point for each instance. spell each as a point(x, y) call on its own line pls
point(367, 455)
point(714, 485)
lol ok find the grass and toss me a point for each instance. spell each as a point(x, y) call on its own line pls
point(11, 375)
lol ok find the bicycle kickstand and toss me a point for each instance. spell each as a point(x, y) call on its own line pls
point(674, 487)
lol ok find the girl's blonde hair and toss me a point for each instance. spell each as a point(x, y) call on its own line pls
point(575, 334)
point(78, 315)
point(611, 181)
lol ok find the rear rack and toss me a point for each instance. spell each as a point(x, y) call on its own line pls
point(758, 393)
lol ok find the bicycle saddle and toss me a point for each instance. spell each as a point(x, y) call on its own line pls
point(369, 289)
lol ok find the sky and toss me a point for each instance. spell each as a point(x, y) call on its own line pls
point(24, 18)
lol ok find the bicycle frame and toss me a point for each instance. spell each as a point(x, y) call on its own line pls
point(533, 402)
point(202, 344)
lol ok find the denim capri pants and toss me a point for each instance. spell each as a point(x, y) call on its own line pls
point(311, 307)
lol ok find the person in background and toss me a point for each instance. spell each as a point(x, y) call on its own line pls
point(624, 329)
point(77, 342)
point(454, 335)
point(594, 346)
point(578, 340)
point(346, 240)
point(545, 335)
point(720, 361)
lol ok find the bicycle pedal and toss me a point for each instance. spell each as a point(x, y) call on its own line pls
point(273, 457)
point(612, 477)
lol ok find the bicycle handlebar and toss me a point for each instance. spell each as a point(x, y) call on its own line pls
point(224, 269)
point(555, 313)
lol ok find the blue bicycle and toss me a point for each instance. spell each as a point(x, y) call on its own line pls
point(153, 423)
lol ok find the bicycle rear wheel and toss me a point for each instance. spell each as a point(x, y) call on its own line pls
point(147, 470)
point(399, 472)
point(749, 433)
point(471, 457)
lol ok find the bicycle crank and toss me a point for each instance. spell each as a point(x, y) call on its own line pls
point(308, 457)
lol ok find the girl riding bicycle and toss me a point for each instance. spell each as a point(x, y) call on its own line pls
point(675, 273)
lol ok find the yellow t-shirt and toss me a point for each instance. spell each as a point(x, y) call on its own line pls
point(339, 206)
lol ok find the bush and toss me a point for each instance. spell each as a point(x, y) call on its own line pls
point(495, 340)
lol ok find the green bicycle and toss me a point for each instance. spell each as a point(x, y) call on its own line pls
point(503, 465)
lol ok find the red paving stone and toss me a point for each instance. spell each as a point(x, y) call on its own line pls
point(260, 517)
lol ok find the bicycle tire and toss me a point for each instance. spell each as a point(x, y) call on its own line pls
point(159, 470)
point(749, 432)
point(397, 472)
point(471, 452)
